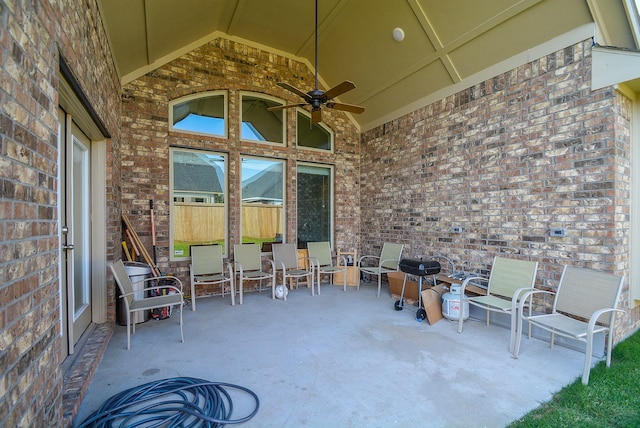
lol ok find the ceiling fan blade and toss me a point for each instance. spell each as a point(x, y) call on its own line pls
point(316, 116)
point(346, 107)
point(295, 90)
point(276, 108)
point(339, 89)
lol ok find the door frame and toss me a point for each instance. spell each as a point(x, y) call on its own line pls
point(73, 107)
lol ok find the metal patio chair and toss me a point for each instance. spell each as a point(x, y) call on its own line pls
point(385, 263)
point(286, 257)
point(136, 301)
point(585, 303)
point(207, 267)
point(508, 281)
point(247, 260)
point(320, 256)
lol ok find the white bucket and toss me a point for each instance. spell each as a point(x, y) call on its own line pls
point(451, 304)
point(137, 272)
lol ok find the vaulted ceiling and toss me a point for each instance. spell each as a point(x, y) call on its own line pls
point(448, 45)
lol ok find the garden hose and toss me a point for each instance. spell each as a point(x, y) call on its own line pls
point(174, 402)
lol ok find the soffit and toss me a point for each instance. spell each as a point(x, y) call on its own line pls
point(448, 45)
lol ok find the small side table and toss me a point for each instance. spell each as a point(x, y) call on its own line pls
point(353, 273)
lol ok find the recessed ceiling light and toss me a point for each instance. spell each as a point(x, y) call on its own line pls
point(398, 34)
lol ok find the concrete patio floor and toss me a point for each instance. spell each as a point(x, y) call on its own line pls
point(341, 359)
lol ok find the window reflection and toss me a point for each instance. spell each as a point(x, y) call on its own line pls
point(262, 200)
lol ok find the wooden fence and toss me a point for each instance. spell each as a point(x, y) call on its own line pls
point(205, 222)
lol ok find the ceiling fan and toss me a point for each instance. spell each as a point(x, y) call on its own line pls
point(317, 98)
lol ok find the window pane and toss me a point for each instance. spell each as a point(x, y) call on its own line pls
point(314, 204)
point(198, 204)
point(312, 136)
point(205, 115)
point(260, 124)
point(262, 200)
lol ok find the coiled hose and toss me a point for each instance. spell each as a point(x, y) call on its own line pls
point(174, 402)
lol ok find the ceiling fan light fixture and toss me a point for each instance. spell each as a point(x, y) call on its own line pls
point(317, 98)
point(398, 34)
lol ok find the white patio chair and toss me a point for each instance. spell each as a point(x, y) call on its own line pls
point(508, 280)
point(385, 263)
point(585, 303)
point(248, 265)
point(207, 267)
point(286, 256)
point(320, 256)
point(133, 304)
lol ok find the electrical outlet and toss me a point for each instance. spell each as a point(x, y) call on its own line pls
point(558, 231)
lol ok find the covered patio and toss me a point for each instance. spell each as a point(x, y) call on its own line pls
point(340, 359)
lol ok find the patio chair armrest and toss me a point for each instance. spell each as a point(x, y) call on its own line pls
point(157, 278)
point(529, 294)
point(344, 261)
point(594, 317)
point(518, 296)
point(467, 280)
point(142, 290)
point(281, 263)
point(366, 257)
point(272, 263)
point(237, 267)
point(440, 256)
point(314, 261)
point(388, 260)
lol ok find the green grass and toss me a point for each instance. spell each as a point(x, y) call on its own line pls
point(185, 247)
point(612, 398)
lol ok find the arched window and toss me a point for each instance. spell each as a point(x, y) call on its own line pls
point(312, 136)
point(260, 124)
point(203, 113)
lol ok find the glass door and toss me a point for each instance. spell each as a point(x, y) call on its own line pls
point(76, 231)
point(315, 204)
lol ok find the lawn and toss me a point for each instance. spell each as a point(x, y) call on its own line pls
point(612, 398)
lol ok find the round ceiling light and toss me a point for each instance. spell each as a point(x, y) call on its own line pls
point(398, 34)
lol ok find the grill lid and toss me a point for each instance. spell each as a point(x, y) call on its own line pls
point(419, 267)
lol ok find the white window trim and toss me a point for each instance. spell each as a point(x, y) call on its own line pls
point(284, 192)
point(331, 169)
point(225, 189)
point(323, 126)
point(241, 121)
point(206, 94)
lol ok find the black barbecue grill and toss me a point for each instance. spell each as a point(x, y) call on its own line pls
point(419, 268)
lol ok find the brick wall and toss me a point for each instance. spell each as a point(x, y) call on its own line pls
point(32, 33)
point(231, 66)
point(506, 160)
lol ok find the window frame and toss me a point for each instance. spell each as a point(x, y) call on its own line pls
point(283, 220)
point(321, 125)
point(332, 192)
point(191, 97)
point(268, 98)
point(225, 190)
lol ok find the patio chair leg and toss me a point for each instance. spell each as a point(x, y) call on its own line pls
point(128, 330)
point(379, 284)
point(460, 318)
point(181, 330)
point(587, 360)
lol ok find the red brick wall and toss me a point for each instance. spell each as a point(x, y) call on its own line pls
point(31, 35)
point(506, 160)
point(234, 67)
